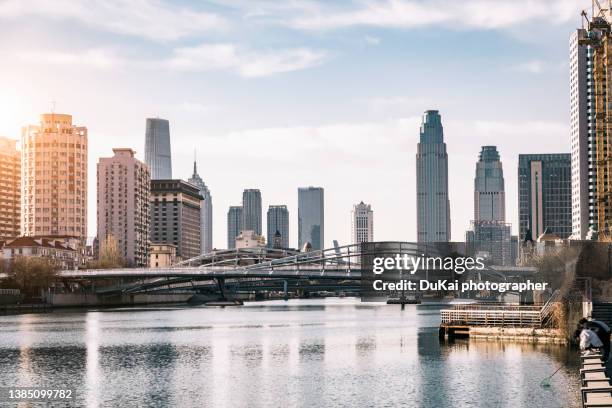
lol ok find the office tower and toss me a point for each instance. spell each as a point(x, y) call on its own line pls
point(490, 235)
point(311, 218)
point(278, 222)
point(234, 225)
point(157, 148)
point(54, 178)
point(10, 189)
point(251, 210)
point(433, 205)
point(206, 223)
point(124, 185)
point(545, 195)
point(489, 194)
point(175, 216)
point(582, 135)
point(363, 223)
point(249, 239)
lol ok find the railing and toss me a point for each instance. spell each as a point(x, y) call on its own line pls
point(492, 317)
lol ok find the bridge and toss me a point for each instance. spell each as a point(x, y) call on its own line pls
point(262, 269)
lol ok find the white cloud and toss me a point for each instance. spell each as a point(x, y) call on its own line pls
point(471, 14)
point(154, 19)
point(372, 40)
point(247, 63)
point(532, 67)
point(95, 58)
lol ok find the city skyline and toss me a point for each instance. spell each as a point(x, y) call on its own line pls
point(374, 123)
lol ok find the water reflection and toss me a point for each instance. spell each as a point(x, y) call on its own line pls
point(310, 353)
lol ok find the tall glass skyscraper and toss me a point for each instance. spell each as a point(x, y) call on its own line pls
point(433, 205)
point(278, 221)
point(311, 220)
point(545, 195)
point(251, 210)
point(489, 193)
point(206, 222)
point(234, 225)
point(157, 148)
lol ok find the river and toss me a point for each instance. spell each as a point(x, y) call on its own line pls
point(300, 353)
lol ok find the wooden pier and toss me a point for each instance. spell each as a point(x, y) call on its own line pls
point(595, 389)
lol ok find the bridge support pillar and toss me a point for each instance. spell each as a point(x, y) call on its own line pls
point(221, 284)
point(285, 294)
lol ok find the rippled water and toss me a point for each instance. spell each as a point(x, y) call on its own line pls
point(324, 353)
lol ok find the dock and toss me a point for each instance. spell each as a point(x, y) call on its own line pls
point(595, 388)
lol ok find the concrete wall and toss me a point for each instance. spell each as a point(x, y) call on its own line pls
point(89, 299)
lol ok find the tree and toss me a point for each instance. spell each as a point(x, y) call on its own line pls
point(31, 273)
point(110, 255)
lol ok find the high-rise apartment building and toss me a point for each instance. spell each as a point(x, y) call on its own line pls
point(10, 189)
point(433, 205)
point(362, 223)
point(311, 217)
point(175, 216)
point(489, 191)
point(124, 185)
point(206, 215)
point(54, 178)
point(158, 155)
point(278, 222)
point(545, 195)
point(251, 210)
point(234, 225)
point(582, 135)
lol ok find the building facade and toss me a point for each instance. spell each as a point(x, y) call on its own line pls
point(162, 255)
point(311, 217)
point(582, 135)
point(433, 204)
point(158, 155)
point(251, 210)
point(64, 252)
point(10, 189)
point(124, 185)
point(278, 222)
point(54, 177)
point(249, 239)
point(206, 214)
point(545, 195)
point(234, 225)
point(362, 223)
point(175, 216)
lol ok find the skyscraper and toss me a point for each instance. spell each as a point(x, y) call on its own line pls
point(545, 203)
point(582, 134)
point(54, 178)
point(10, 189)
point(278, 221)
point(433, 205)
point(175, 216)
point(311, 218)
point(363, 223)
point(124, 184)
point(206, 223)
point(234, 225)
point(490, 235)
point(489, 193)
point(251, 210)
point(158, 154)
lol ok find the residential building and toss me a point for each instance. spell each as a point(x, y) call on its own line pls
point(63, 251)
point(54, 177)
point(10, 189)
point(124, 186)
point(249, 239)
point(545, 195)
point(433, 204)
point(175, 216)
point(206, 213)
point(162, 255)
point(158, 155)
point(251, 210)
point(234, 225)
point(311, 217)
point(278, 222)
point(362, 223)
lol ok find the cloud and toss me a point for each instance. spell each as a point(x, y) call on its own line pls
point(247, 63)
point(372, 40)
point(153, 19)
point(96, 58)
point(467, 14)
point(532, 67)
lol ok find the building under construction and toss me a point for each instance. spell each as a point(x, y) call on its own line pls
point(599, 39)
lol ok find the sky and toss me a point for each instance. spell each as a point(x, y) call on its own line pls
point(280, 95)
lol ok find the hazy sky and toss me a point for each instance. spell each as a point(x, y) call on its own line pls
point(276, 95)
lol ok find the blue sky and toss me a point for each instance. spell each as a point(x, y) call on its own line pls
point(277, 95)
